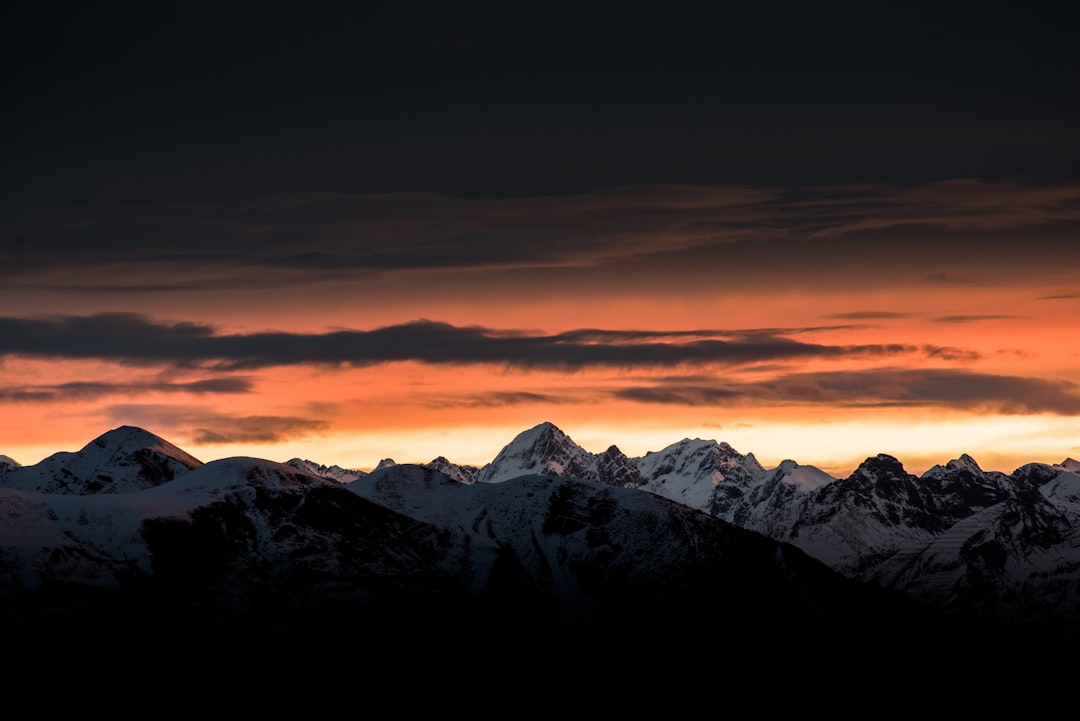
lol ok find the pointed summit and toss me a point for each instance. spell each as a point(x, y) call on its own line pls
point(542, 449)
point(965, 461)
point(462, 474)
point(963, 464)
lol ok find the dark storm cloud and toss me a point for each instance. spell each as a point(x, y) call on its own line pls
point(212, 428)
point(883, 387)
point(86, 390)
point(117, 336)
point(313, 236)
point(147, 101)
point(138, 340)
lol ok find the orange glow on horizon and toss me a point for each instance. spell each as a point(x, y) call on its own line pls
point(824, 347)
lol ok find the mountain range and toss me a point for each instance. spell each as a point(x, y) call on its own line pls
point(604, 560)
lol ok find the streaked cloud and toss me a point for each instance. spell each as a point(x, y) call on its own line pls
point(304, 237)
point(135, 339)
point(870, 315)
point(204, 427)
point(949, 279)
point(494, 399)
point(972, 318)
point(953, 388)
point(89, 390)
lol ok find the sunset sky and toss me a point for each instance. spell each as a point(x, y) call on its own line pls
point(413, 229)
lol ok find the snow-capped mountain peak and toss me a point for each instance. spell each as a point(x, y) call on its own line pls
point(703, 474)
point(334, 473)
point(121, 460)
point(132, 439)
point(130, 505)
point(460, 473)
point(964, 461)
point(801, 476)
point(542, 449)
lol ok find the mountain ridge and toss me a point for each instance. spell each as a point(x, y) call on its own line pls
point(536, 523)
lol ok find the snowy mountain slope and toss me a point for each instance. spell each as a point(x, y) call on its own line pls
point(1001, 547)
point(254, 544)
point(460, 473)
point(265, 555)
point(122, 460)
point(774, 502)
point(100, 540)
point(600, 557)
point(334, 472)
point(706, 475)
point(881, 524)
point(541, 449)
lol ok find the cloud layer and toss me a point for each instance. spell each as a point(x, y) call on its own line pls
point(778, 356)
point(135, 339)
point(308, 237)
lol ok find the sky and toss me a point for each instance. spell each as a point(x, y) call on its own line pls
point(408, 230)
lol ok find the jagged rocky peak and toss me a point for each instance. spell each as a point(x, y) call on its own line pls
point(704, 474)
point(881, 468)
point(699, 458)
point(542, 449)
point(542, 439)
point(461, 473)
point(615, 468)
point(963, 464)
point(1070, 464)
point(334, 472)
point(964, 461)
point(386, 463)
point(1036, 474)
point(8, 462)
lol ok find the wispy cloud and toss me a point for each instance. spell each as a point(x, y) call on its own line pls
point(206, 427)
point(494, 399)
point(972, 318)
point(138, 340)
point(870, 315)
point(306, 236)
point(952, 388)
point(89, 390)
point(952, 279)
